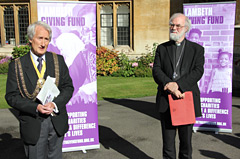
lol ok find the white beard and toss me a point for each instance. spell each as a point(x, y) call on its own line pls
point(176, 37)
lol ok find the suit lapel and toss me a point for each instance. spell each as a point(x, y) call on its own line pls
point(187, 56)
point(49, 65)
point(170, 52)
point(29, 70)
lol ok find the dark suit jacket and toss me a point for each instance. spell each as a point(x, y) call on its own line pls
point(30, 120)
point(191, 71)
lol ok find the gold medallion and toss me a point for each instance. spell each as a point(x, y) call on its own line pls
point(40, 82)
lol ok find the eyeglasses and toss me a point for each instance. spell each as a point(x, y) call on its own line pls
point(178, 26)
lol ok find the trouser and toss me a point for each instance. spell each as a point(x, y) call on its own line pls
point(169, 134)
point(49, 145)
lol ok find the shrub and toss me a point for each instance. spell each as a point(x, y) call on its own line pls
point(20, 50)
point(146, 60)
point(143, 72)
point(107, 61)
point(154, 48)
point(126, 69)
point(4, 61)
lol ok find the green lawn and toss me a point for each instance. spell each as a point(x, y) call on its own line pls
point(3, 103)
point(125, 87)
point(107, 87)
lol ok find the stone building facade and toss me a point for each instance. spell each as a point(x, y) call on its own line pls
point(146, 23)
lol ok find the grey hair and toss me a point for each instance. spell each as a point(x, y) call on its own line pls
point(187, 21)
point(31, 29)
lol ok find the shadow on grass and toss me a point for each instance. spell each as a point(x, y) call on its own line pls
point(227, 138)
point(109, 139)
point(147, 108)
point(214, 155)
point(230, 139)
point(10, 147)
point(236, 106)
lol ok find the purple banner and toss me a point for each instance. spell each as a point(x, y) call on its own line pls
point(74, 36)
point(213, 28)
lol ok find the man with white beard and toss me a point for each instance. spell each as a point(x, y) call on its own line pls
point(178, 66)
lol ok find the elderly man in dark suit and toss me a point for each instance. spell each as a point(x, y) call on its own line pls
point(178, 66)
point(42, 126)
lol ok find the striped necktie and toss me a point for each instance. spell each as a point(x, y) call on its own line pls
point(39, 64)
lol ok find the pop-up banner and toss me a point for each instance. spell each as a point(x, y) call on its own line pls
point(213, 28)
point(74, 36)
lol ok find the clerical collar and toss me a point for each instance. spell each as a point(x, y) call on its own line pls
point(179, 44)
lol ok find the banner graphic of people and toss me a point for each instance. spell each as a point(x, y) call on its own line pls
point(213, 28)
point(74, 36)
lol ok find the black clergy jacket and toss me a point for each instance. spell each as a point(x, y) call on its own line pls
point(191, 71)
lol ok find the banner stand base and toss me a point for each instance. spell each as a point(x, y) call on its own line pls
point(216, 130)
point(81, 148)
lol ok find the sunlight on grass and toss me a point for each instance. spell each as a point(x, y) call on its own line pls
point(107, 87)
point(3, 103)
point(130, 87)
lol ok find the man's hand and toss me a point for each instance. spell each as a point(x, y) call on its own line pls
point(178, 94)
point(46, 109)
point(171, 87)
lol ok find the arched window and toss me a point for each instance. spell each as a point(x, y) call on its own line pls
point(106, 15)
point(123, 25)
point(23, 21)
point(9, 23)
point(14, 20)
point(114, 23)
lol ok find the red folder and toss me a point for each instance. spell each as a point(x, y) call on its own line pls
point(182, 110)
